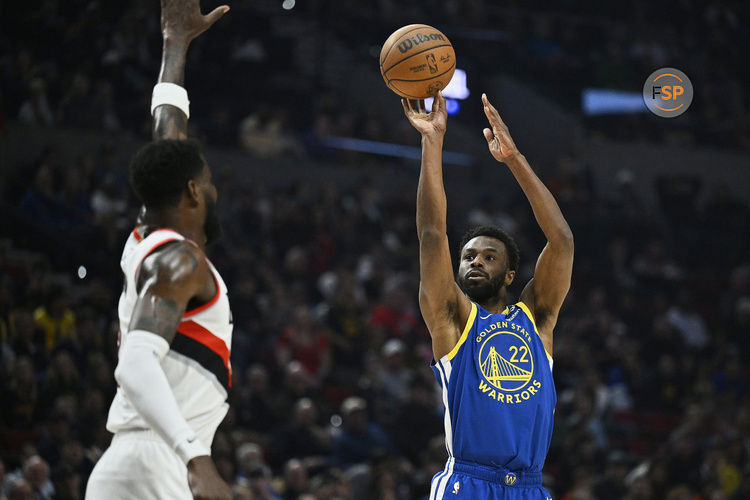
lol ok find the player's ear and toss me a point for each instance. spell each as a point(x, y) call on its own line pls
point(193, 192)
point(510, 275)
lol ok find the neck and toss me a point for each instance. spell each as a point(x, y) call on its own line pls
point(493, 306)
point(496, 304)
point(171, 219)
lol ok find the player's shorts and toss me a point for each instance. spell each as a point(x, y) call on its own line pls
point(138, 465)
point(467, 480)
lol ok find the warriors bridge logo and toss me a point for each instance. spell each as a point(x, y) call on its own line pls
point(507, 363)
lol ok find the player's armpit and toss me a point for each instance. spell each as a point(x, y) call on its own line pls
point(167, 280)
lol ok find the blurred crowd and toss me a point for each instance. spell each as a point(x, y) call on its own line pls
point(299, 76)
point(332, 395)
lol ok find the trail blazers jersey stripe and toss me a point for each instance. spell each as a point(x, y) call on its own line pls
point(211, 352)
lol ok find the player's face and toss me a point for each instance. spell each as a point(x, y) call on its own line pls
point(483, 268)
point(211, 224)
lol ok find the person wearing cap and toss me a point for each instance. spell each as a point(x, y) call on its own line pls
point(360, 440)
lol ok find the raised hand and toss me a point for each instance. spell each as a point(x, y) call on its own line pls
point(498, 138)
point(182, 21)
point(428, 124)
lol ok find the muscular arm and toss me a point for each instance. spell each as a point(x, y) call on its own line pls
point(167, 280)
point(545, 293)
point(444, 308)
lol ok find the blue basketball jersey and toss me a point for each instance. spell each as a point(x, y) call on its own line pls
point(498, 392)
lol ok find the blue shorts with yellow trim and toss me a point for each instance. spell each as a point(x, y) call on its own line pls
point(467, 480)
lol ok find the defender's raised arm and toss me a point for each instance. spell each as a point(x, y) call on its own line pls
point(181, 22)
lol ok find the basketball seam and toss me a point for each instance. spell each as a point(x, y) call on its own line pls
point(416, 54)
point(420, 26)
point(423, 79)
point(408, 95)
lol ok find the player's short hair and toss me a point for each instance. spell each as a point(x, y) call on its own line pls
point(160, 171)
point(511, 249)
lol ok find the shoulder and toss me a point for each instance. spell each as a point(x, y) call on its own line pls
point(178, 261)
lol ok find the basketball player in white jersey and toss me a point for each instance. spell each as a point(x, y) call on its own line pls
point(173, 371)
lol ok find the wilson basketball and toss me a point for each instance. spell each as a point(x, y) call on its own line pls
point(416, 61)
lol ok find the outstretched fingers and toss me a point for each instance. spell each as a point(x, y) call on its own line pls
point(493, 116)
point(215, 14)
point(414, 106)
point(437, 103)
point(411, 108)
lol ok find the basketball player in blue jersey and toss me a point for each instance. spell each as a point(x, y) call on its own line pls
point(493, 359)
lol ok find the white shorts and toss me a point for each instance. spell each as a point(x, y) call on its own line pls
point(138, 465)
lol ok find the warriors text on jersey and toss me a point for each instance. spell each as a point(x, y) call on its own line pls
point(197, 365)
point(498, 393)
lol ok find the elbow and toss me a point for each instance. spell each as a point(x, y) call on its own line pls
point(562, 239)
point(565, 239)
point(122, 377)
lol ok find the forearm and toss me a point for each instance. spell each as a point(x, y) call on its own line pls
point(545, 208)
point(169, 121)
point(431, 200)
point(141, 377)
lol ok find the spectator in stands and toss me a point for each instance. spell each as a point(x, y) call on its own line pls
point(360, 440)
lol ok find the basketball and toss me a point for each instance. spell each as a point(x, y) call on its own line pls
point(417, 61)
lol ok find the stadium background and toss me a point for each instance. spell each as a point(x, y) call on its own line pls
point(320, 253)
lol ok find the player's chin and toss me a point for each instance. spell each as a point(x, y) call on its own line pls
point(478, 292)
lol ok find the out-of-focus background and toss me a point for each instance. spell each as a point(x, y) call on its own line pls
point(316, 171)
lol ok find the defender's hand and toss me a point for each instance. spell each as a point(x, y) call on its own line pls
point(429, 125)
point(182, 21)
point(499, 140)
point(205, 482)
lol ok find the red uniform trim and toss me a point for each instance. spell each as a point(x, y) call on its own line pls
point(139, 237)
point(196, 332)
point(157, 245)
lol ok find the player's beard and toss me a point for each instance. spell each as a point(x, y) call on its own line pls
point(479, 292)
point(212, 225)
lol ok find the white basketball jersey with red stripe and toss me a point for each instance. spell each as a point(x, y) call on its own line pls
point(197, 365)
